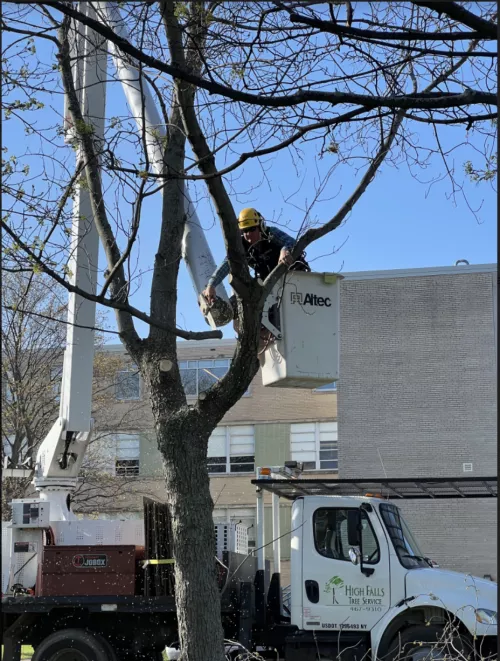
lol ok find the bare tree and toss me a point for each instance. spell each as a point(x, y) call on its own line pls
point(33, 340)
point(358, 84)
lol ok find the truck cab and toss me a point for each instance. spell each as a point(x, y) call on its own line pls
point(358, 575)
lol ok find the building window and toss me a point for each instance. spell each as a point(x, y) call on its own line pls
point(231, 450)
point(329, 387)
point(127, 455)
point(127, 383)
point(315, 444)
point(199, 375)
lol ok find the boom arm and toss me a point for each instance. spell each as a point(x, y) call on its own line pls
point(60, 455)
point(195, 249)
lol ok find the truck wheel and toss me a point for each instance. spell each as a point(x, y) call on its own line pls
point(107, 646)
point(425, 643)
point(74, 645)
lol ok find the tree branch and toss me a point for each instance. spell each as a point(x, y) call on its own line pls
point(130, 242)
point(468, 119)
point(486, 29)
point(30, 33)
point(59, 321)
point(92, 169)
point(410, 35)
point(436, 101)
point(245, 156)
point(315, 233)
point(224, 208)
point(115, 305)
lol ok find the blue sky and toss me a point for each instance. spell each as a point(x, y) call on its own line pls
point(398, 223)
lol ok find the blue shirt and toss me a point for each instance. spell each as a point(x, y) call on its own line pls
point(272, 233)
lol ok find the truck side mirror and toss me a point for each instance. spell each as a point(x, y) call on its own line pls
point(354, 527)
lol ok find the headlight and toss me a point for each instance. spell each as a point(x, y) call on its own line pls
point(486, 616)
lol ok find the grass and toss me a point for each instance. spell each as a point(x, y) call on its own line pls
point(27, 653)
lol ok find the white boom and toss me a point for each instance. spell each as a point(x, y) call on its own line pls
point(195, 249)
point(60, 455)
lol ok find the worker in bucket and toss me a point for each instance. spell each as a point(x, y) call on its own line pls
point(265, 247)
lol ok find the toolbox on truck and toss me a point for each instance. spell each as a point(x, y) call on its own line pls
point(87, 571)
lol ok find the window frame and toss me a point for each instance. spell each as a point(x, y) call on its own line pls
point(405, 560)
point(228, 463)
point(129, 470)
point(317, 447)
point(197, 368)
point(364, 516)
point(127, 436)
point(128, 369)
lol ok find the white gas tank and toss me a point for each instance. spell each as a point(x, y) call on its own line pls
point(307, 353)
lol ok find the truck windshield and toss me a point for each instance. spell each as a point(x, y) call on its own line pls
point(404, 543)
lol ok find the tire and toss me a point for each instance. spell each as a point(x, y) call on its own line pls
point(110, 651)
point(428, 643)
point(74, 645)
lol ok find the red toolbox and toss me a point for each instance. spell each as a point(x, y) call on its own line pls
point(87, 571)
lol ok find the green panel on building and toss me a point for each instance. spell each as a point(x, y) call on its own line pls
point(285, 527)
point(150, 460)
point(272, 444)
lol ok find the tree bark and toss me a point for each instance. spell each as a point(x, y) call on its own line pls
point(183, 440)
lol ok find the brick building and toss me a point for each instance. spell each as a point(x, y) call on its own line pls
point(416, 398)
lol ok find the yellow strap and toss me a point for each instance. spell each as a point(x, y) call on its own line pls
point(163, 561)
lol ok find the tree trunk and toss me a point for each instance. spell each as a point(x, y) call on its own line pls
point(183, 439)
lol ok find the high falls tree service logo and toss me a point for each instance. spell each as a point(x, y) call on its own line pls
point(354, 595)
point(335, 583)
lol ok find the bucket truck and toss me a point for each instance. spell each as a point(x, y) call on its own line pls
point(104, 591)
point(361, 589)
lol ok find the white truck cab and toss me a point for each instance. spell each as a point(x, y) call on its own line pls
point(357, 568)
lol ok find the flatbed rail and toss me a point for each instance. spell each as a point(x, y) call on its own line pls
point(121, 604)
point(393, 489)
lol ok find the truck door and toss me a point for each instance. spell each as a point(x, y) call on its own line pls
point(336, 594)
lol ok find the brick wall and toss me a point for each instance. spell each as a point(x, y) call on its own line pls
point(457, 534)
point(417, 397)
point(418, 376)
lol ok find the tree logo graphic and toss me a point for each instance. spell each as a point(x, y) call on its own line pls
point(333, 584)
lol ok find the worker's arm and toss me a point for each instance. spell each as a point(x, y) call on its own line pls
point(215, 279)
point(286, 242)
point(282, 238)
point(221, 272)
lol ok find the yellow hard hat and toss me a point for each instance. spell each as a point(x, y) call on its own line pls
point(249, 217)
